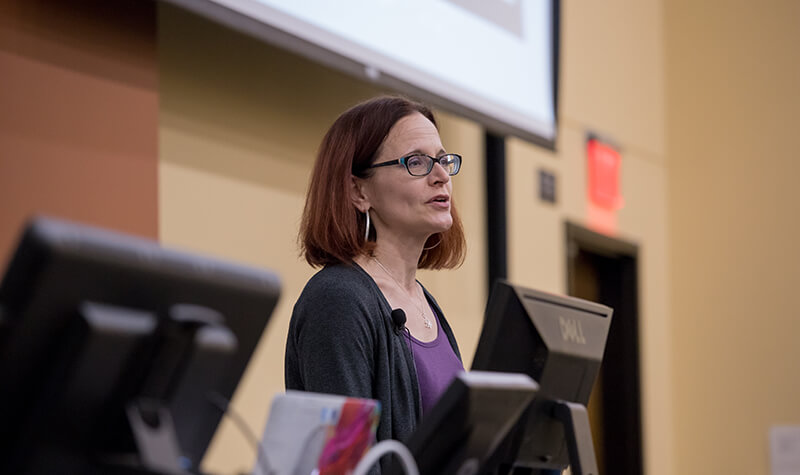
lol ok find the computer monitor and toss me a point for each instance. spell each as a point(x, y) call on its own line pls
point(111, 346)
point(559, 342)
point(469, 422)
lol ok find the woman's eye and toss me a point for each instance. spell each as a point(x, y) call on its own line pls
point(415, 162)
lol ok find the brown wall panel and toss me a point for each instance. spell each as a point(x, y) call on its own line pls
point(78, 115)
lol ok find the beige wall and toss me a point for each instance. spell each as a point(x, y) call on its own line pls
point(733, 73)
point(612, 84)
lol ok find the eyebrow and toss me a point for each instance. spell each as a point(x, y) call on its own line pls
point(420, 152)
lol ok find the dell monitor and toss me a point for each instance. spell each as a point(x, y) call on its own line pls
point(112, 349)
point(559, 342)
point(469, 423)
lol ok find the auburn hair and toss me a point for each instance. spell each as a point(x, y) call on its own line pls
point(332, 228)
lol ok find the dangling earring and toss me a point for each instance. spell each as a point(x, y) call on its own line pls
point(437, 243)
point(366, 231)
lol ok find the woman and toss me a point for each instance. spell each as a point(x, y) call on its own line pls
point(379, 206)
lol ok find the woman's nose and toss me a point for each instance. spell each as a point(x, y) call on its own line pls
point(439, 174)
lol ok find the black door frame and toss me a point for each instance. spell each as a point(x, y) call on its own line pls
point(622, 430)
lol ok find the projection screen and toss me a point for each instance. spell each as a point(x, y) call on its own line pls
point(494, 61)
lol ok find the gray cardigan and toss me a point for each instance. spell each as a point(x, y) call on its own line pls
point(342, 340)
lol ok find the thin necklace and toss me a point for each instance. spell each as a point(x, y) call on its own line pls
point(425, 320)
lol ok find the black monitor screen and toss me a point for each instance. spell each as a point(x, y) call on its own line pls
point(111, 346)
point(559, 342)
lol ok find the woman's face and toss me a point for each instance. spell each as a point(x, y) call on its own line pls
point(402, 205)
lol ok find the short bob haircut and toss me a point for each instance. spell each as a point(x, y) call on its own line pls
point(332, 228)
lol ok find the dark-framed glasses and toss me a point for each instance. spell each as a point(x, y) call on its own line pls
point(419, 164)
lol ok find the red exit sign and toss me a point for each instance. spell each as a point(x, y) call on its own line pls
point(603, 170)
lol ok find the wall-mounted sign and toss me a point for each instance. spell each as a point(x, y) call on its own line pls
point(603, 168)
point(547, 186)
point(603, 163)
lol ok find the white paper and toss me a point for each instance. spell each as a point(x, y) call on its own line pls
point(784, 450)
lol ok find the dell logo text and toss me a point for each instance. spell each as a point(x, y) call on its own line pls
point(571, 330)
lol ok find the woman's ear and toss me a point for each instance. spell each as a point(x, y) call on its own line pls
point(358, 195)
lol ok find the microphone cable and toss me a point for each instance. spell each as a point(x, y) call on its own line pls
point(385, 447)
point(223, 404)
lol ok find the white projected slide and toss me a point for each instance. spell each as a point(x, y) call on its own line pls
point(488, 59)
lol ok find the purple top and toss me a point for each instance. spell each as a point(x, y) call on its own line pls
point(437, 365)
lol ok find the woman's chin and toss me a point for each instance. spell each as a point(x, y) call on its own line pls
point(443, 226)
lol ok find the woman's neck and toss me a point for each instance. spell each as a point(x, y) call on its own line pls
point(398, 260)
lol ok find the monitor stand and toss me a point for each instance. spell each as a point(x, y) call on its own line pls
point(154, 432)
point(579, 437)
point(182, 333)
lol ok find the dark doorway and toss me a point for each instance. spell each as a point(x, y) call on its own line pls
point(604, 270)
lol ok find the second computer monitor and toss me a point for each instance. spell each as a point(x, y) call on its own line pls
point(558, 341)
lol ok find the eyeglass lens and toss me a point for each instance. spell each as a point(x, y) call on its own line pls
point(422, 164)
